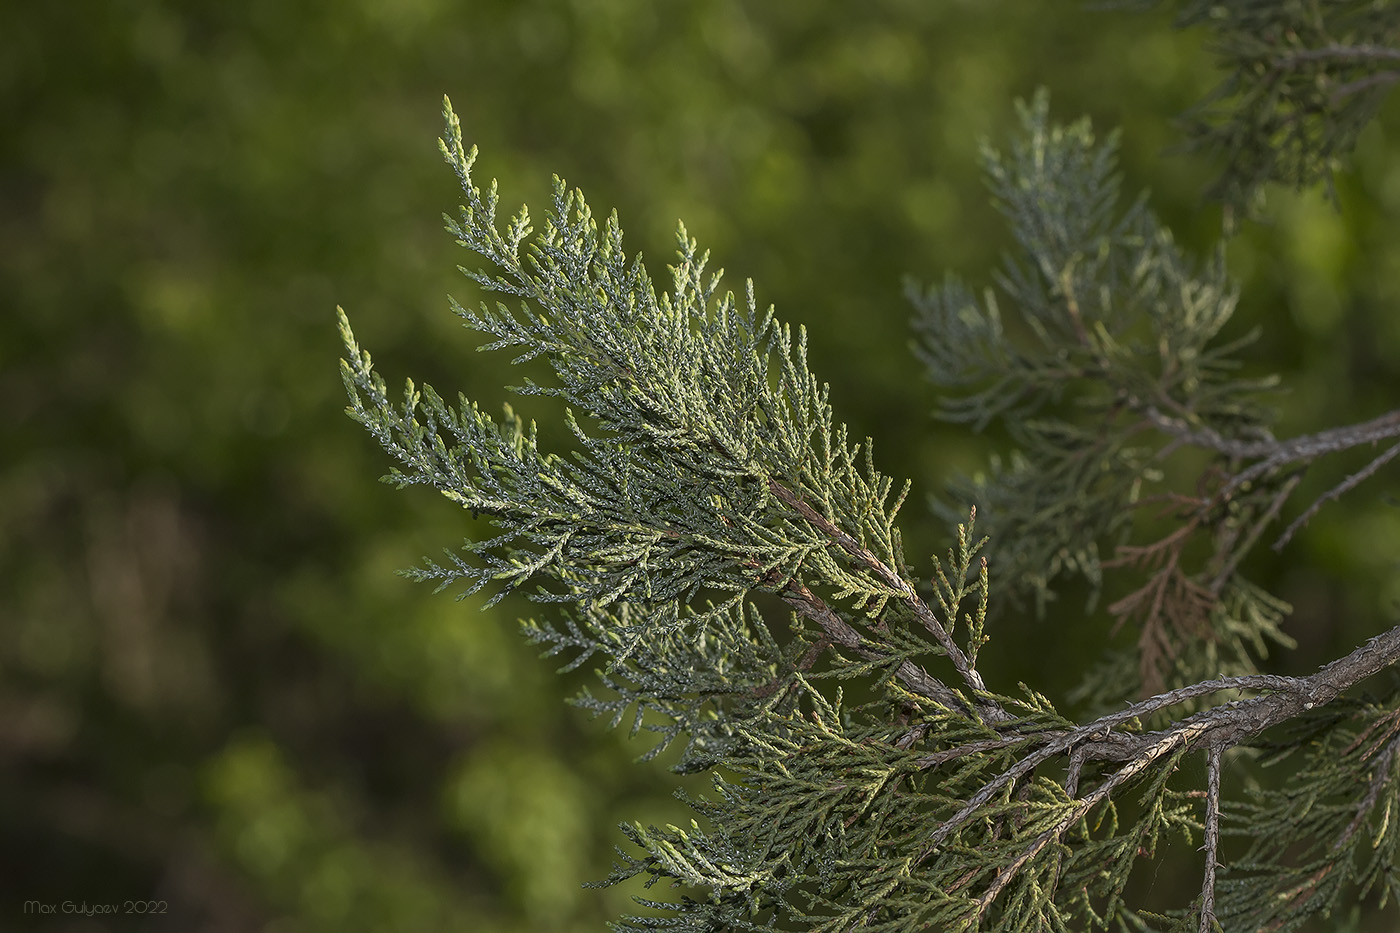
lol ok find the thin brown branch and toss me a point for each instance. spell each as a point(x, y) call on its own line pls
point(1218, 729)
point(934, 759)
point(1273, 454)
point(903, 591)
point(918, 680)
point(1212, 841)
point(1352, 88)
point(1303, 891)
point(1379, 778)
point(1335, 493)
point(1168, 742)
point(1311, 446)
point(1271, 513)
point(1171, 605)
point(1164, 550)
point(1349, 54)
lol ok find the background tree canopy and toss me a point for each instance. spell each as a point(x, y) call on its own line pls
point(213, 690)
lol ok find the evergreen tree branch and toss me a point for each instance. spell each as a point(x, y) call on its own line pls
point(1149, 380)
point(1272, 455)
point(1228, 566)
point(1216, 729)
point(1302, 80)
point(709, 468)
point(1325, 822)
point(1350, 54)
point(1208, 922)
point(916, 678)
point(1120, 370)
point(717, 466)
point(1335, 493)
point(988, 708)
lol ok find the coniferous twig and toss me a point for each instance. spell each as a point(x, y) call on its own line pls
point(709, 467)
point(1302, 79)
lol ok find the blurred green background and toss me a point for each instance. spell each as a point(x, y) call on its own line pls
point(214, 691)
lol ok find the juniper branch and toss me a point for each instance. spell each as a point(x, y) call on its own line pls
point(1212, 840)
point(989, 709)
point(709, 468)
point(916, 678)
point(1301, 80)
point(1269, 456)
point(1349, 54)
point(1335, 493)
point(1216, 729)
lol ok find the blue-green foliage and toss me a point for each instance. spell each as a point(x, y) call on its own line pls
point(695, 408)
point(708, 469)
point(1301, 82)
point(1114, 319)
point(1115, 332)
point(696, 403)
point(1337, 812)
